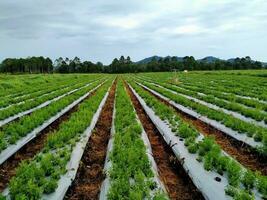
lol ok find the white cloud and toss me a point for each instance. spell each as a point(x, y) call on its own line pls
point(107, 28)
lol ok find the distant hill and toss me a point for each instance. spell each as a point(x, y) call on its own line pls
point(208, 59)
point(149, 59)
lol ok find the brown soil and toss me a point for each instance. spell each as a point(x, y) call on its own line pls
point(244, 154)
point(90, 174)
point(28, 151)
point(177, 182)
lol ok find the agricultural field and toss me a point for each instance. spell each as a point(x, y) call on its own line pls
point(171, 135)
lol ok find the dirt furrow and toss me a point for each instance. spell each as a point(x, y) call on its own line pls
point(90, 174)
point(172, 174)
point(244, 154)
point(28, 151)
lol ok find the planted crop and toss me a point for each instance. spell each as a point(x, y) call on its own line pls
point(41, 174)
point(130, 173)
point(210, 153)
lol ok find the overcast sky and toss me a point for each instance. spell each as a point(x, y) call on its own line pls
point(100, 30)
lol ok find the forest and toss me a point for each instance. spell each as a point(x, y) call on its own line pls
point(122, 65)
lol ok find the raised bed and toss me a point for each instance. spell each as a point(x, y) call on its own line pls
point(11, 149)
point(108, 164)
point(11, 118)
point(240, 137)
point(215, 107)
point(72, 166)
point(204, 180)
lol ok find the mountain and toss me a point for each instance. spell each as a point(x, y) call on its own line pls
point(209, 59)
point(149, 59)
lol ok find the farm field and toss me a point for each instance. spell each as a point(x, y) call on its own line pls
point(172, 135)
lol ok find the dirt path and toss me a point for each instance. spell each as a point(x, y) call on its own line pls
point(28, 151)
point(172, 174)
point(90, 174)
point(245, 155)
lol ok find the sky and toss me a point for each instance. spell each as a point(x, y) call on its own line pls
point(99, 30)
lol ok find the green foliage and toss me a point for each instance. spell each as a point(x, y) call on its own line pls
point(238, 194)
point(15, 130)
point(40, 175)
point(249, 180)
point(234, 173)
point(209, 152)
point(262, 185)
point(252, 130)
point(130, 171)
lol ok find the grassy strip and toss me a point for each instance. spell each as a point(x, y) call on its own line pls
point(40, 175)
point(12, 132)
point(130, 174)
point(209, 152)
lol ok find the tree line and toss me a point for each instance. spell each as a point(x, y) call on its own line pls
point(121, 65)
point(27, 65)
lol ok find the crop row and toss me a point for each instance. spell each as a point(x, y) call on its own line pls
point(239, 111)
point(239, 86)
point(130, 174)
point(16, 130)
point(42, 174)
point(249, 102)
point(231, 85)
point(214, 92)
point(251, 130)
point(242, 182)
point(35, 84)
point(9, 101)
point(31, 103)
point(12, 86)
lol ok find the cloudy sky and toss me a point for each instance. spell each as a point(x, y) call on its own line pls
point(100, 30)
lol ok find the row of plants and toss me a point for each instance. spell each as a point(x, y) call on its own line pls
point(247, 112)
point(14, 85)
point(235, 85)
point(249, 102)
point(30, 86)
point(4, 102)
point(8, 101)
point(232, 84)
point(12, 132)
point(130, 173)
point(31, 103)
point(242, 182)
point(258, 133)
point(208, 89)
point(40, 175)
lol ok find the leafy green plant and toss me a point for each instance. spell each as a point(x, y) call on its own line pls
point(262, 185)
point(248, 180)
point(234, 173)
point(50, 186)
point(192, 148)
